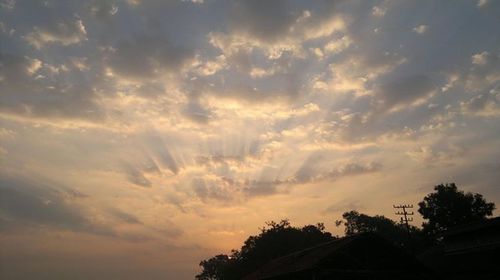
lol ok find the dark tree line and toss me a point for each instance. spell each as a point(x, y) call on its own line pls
point(274, 240)
point(442, 209)
point(355, 222)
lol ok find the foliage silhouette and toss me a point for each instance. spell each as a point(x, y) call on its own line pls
point(356, 222)
point(448, 207)
point(274, 240)
point(214, 268)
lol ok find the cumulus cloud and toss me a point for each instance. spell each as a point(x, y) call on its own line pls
point(337, 45)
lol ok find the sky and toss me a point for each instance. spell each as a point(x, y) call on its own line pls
point(140, 137)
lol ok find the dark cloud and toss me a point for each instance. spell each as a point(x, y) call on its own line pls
point(482, 103)
point(145, 57)
point(102, 9)
point(25, 203)
point(404, 91)
point(353, 169)
point(136, 176)
point(222, 190)
point(158, 148)
point(308, 173)
point(151, 89)
point(257, 188)
point(26, 93)
point(266, 20)
point(228, 190)
point(197, 113)
point(308, 169)
point(124, 216)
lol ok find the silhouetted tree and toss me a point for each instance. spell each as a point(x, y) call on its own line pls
point(274, 240)
point(356, 222)
point(448, 207)
point(214, 268)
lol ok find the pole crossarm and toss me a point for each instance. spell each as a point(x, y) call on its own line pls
point(401, 211)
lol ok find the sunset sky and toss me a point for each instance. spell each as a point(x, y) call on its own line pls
point(140, 137)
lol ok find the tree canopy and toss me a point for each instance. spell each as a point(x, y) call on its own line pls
point(447, 207)
point(355, 222)
point(274, 240)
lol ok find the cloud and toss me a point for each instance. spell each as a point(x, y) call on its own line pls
point(421, 29)
point(135, 176)
point(281, 21)
point(158, 149)
point(487, 104)
point(147, 56)
point(124, 216)
point(218, 189)
point(484, 73)
point(337, 45)
point(435, 155)
point(26, 93)
point(196, 112)
point(480, 58)
point(481, 3)
point(352, 169)
point(26, 203)
point(103, 9)
point(65, 32)
point(8, 4)
point(308, 169)
point(210, 112)
point(276, 30)
point(379, 11)
point(266, 20)
point(405, 91)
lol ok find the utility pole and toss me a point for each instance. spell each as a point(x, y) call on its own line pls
point(401, 211)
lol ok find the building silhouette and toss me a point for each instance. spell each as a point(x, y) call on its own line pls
point(361, 256)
